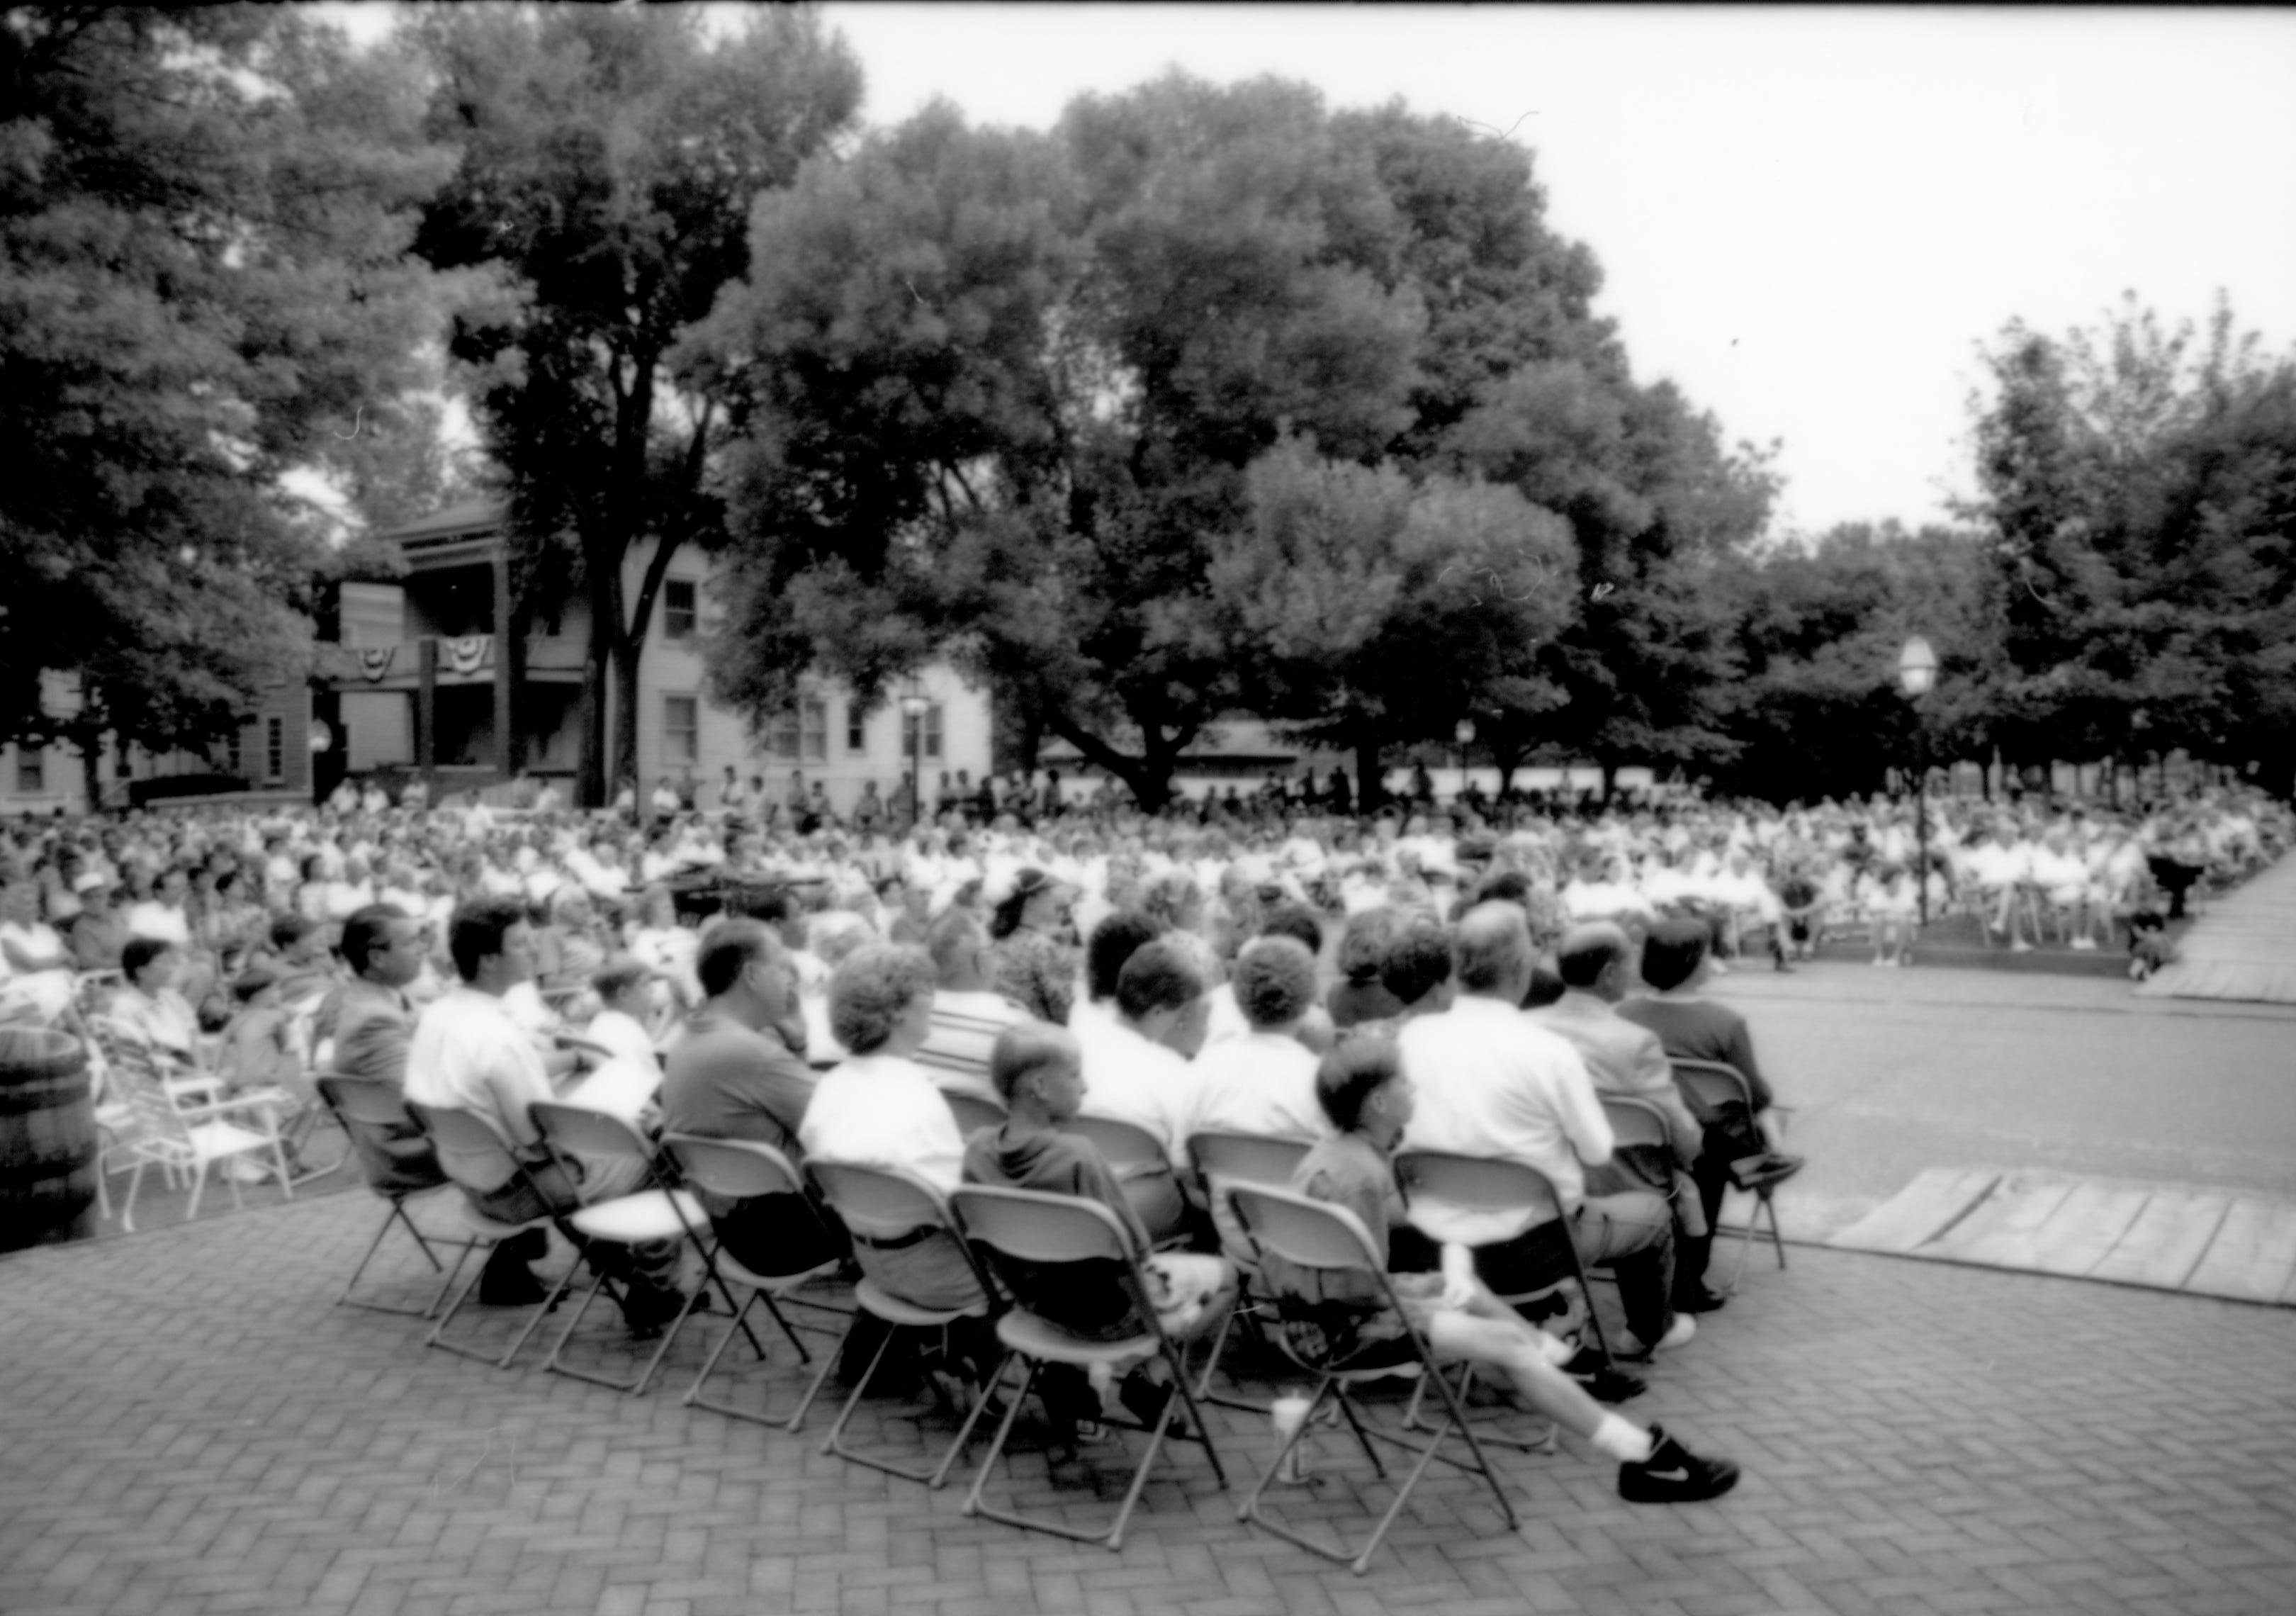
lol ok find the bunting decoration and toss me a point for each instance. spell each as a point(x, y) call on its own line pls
point(374, 662)
point(468, 654)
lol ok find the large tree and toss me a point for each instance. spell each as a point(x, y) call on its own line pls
point(610, 157)
point(1818, 711)
point(203, 222)
point(1367, 612)
point(2135, 487)
point(1004, 394)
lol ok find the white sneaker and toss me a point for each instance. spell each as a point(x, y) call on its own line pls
point(1677, 1333)
point(2020, 946)
point(239, 1170)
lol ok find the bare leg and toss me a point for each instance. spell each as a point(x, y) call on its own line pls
point(1510, 1347)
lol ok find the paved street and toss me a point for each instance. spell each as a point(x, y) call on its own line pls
point(1895, 1071)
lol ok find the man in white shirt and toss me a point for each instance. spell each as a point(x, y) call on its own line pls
point(1491, 1083)
point(469, 1055)
point(1135, 1068)
point(2003, 868)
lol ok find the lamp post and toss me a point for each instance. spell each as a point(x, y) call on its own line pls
point(1917, 667)
point(1464, 734)
point(913, 717)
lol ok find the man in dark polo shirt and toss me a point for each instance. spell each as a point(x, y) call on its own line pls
point(733, 1075)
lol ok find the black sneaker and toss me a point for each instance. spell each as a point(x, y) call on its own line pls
point(1673, 1474)
point(1700, 1300)
point(515, 1291)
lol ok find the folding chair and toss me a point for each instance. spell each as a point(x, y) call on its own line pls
point(165, 1123)
point(1711, 1089)
point(744, 1170)
point(1144, 1171)
point(371, 1109)
point(1031, 1227)
point(972, 1114)
point(655, 1213)
point(1314, 1235)
point(881, 1209)
point(1220, 1160)
point(1434, 1180)
point(473, 1155)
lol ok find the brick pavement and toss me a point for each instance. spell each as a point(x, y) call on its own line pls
point(190, 1428)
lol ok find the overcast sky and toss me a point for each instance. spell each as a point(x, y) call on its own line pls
point(1808, 219)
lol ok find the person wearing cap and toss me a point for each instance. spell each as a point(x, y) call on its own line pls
point(627, 1005)
point(1034, 969)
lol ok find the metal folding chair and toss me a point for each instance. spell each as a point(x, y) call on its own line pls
point(655, 1213)
point(1034, 1227)
point(1433, 1181)
point(1711, 1088)
point(1220, 1160)
point(744, 1169)
point(1142, 1169)
point(371, 1109)
point(972, 1114)
point(471, 1154)
point(1321, 1238)
point(881, 1208)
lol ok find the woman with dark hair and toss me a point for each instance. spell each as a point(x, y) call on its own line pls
point(1035, 969)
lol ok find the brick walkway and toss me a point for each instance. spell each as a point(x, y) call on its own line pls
point(191, 1428)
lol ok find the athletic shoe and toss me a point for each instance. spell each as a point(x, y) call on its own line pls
point(1677, 1333)
point(1673, 1474)
point(1700, 1300)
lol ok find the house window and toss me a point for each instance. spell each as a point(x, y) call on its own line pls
point(235, 753)
point(857, 728)
point(780, 740)
point(815, 716)
point(678, 615)
point(930, 718)
point(31, 770)
point(681, 729)
point(274, 749)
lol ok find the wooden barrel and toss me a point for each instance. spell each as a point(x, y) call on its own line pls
point(47, 1140)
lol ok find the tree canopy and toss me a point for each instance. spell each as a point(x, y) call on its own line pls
point(609, 155)
point(2136, 487)
point(1043, 402)
point(203, 222)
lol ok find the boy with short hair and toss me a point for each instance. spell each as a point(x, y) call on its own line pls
point(1340, 1318)
point(1038, 1071)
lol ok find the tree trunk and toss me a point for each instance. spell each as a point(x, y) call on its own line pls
point(91, 768)
point(1506, 761)
point(592, 788)
point(627, 651)
point(1371, 793)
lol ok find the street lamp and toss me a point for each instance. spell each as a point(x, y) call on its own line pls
point(913, 715)
point(1917, 667)
point(1464, 734)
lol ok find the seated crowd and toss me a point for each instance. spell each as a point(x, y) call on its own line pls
point(1492, 984)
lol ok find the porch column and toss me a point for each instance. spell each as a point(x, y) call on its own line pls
point(505, 663)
